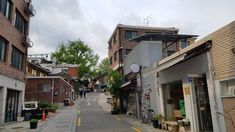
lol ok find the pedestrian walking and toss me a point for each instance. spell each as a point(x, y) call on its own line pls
point(81, 92)
point(84, 92)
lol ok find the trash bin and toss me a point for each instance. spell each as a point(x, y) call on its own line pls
point(27, 116)
point(66, 102)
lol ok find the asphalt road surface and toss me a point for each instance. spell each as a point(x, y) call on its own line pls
point(91, 117)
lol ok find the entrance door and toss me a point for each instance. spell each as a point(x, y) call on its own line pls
point(11, 105)
point(203, 105)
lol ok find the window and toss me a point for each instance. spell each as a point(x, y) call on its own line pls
point(130, 34)
point(228, 88)
point(20, 22)
point(115, 56)
point(34, 72)
point(184, 44)
point(6, 7)
point(3, 48)
point(43, 88)
point(16, 58)
point(111, 60)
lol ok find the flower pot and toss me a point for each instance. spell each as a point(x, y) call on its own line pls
point(33, 125)
point(155, 123)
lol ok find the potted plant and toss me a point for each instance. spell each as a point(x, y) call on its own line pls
point(156, 120)
point(33, 123)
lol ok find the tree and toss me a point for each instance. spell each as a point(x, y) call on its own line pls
point(115, 82)
point(103, 67)
point(77, 52)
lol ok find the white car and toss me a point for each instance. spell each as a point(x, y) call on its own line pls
point(32, 105)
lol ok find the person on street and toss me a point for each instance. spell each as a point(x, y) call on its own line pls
point(81, 92)
point(84, 92)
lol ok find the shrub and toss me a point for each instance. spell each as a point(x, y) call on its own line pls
point(157, 117)
point(33, 120)
point(53, 107)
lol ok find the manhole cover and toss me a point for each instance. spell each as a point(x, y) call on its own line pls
point(17, 127)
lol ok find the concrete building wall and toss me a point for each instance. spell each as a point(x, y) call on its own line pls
point(13, 84)
point(145, 54)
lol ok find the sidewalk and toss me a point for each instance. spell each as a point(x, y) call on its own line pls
point(126, 118)
point(63, 121)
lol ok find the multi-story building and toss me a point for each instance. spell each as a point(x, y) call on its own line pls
point(120, 46)
point(14, 43)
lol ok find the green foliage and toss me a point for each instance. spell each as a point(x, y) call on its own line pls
point(53, 107)
point(77, 52)
point(44, 104)
point(114, 81)
point(34, 120)
point(157, 117)
point(103, 67)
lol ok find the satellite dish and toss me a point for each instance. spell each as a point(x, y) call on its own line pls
point(135, 68)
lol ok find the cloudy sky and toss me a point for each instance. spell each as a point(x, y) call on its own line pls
point(94, 20)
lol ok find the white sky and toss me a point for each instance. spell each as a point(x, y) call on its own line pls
point(93, 21)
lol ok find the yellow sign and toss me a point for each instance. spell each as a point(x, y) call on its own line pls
point(186, 91)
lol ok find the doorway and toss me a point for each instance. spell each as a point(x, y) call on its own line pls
point(203, 105)
point(11, 105)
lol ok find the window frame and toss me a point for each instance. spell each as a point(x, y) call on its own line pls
point(43, 88)
point(6, 8)
point(2, 42)
point(20, 23)
point(131, 33)
point(19, 60)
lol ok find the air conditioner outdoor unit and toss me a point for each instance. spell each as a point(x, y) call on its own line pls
point(29, 8)
point(27, 41)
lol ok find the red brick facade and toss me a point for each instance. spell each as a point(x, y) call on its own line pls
point(61, 89)
point(14, 38)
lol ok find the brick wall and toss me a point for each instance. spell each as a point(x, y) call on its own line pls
point(62, 90)
point(122, 42)
point(223, 58)
point(14, 37)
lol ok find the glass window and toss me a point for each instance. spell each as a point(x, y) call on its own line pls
point(16, 58)
point(111, 60)
point(6, 7)
point(3, 47)
point(115, 56)
point(43, 88)
point(183, 44)
point(130, 34)
point(20, 22)
point(228, 88)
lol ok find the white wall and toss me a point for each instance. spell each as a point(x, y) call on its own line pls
point(10, 83)
point(145, 54)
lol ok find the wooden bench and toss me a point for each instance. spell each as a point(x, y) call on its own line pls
point(172, 126)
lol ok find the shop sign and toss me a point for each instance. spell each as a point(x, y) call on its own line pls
point(186, 91)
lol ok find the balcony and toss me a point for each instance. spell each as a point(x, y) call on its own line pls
point(27, 41)
point(29, 10)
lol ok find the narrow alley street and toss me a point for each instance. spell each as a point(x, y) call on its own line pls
point(92, 117)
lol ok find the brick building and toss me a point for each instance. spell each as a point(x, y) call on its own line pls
point(14, 43)
point(119, 44)
point(53, 89)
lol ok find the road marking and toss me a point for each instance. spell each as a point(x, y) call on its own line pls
point(79, 119)
point(79, 122)
point(117, 117)
point(136, 129)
